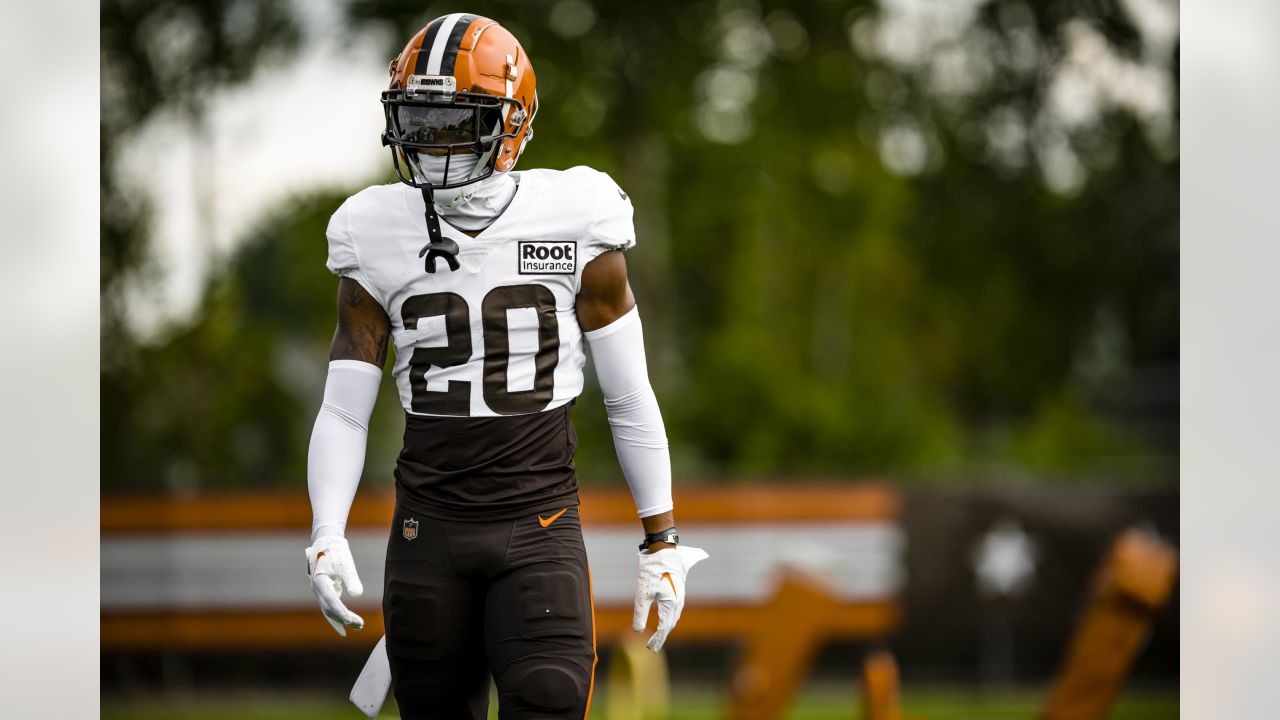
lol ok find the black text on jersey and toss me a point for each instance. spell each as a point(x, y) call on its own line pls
point(547, 257)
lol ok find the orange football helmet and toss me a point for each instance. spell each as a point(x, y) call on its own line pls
point(463, 84)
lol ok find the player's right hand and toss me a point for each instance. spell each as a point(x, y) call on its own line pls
point(331, 569)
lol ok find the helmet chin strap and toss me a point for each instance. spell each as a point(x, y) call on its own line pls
point(439, 245)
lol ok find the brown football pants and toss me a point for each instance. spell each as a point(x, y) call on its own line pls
point(510, 599)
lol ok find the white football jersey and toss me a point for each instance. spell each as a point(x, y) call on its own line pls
point(500, 335)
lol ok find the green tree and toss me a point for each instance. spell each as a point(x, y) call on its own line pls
point(852, 258)
point(160, 57)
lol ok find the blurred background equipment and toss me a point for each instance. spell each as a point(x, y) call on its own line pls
point(1132, 585)
point(917, 257)
point(780, 648)
point(639, 687)
point(219, 573)
point(880, 686)
point(1003, 564)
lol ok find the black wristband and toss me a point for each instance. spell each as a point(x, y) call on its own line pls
point(669, 535)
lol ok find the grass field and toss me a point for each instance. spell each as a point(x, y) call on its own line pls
point(826, 703)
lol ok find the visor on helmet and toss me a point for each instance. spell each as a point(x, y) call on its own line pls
point(426, 124)
point(441, 126)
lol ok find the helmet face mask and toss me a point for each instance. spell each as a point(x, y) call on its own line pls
point(460, 104)
point(447, 124)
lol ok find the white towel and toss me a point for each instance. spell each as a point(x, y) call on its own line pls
point(371, 688)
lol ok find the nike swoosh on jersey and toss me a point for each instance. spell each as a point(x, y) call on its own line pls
point(547, 521)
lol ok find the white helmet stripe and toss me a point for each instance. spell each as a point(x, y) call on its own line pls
point(442, 42)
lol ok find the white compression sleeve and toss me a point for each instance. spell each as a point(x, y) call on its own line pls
point(335, 458)
point(639, 437)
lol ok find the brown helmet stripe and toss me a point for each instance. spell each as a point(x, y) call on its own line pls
point(450, 59)
point(424, 50)
point(445, 35)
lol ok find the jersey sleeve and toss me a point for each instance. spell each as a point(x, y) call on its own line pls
point(611, 226)
point(343, 259)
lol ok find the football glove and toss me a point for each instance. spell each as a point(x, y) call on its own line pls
point(331, 569)
point(662, 579)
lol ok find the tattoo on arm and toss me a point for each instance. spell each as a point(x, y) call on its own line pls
point(363, 326)
point(351, 294)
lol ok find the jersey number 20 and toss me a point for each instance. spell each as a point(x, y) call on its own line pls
point(456, 400)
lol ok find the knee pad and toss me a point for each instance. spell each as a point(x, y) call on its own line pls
point(547, 685)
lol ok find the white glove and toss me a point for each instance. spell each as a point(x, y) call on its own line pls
point(662, 576)
point(331, 568)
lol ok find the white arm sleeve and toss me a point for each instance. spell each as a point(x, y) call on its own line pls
point(617, 350)
point(335, 459)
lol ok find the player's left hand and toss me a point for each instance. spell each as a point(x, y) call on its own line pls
point(662, 577)
point(331, 568)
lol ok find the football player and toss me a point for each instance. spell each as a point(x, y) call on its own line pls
point(489, 283)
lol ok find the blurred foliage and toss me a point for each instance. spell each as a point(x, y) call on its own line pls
point(164, 406)
point(232, 395)
point(165, 56)
point(869, 241)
